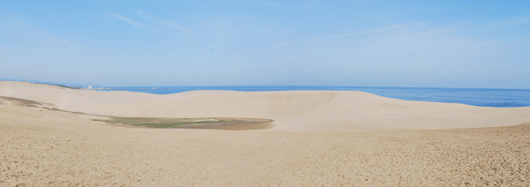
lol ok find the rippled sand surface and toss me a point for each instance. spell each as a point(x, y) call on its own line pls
point(49, 148)
point(40, 147)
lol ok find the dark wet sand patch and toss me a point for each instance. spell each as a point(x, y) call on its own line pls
point(191, 123)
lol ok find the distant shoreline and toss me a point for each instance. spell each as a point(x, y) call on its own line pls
point(500, 98)
point(484, 97)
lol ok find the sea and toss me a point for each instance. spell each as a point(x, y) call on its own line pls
point(500, 98)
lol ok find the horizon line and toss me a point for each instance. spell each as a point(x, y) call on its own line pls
point(415, 87)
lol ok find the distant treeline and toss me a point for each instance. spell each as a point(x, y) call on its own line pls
point(45, 83)
point(64, 86)
point(60, 85)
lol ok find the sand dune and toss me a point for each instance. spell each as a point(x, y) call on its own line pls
point(53, 148)
point(320, 139)
point(291, 110)
point(4, 90)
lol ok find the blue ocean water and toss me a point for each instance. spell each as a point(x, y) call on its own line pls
point(503, 98)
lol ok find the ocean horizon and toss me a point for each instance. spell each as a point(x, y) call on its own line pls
point(485, 97)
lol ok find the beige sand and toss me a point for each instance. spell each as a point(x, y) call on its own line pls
point(319, 138)
point(291, 110)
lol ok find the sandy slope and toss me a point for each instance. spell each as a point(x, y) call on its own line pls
point(51, 148)
point(291, 110)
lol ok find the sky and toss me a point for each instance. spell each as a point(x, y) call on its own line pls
point(397, 43)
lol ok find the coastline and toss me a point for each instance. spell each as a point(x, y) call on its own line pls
point(290, 110)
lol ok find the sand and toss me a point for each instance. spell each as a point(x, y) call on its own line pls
point(319, 138)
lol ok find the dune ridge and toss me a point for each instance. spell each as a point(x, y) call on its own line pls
point(291, 110)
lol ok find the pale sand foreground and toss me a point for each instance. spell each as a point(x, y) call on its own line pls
point(308, 146)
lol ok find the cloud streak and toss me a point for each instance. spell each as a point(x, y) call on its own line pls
point(131, 22)
point(290, 42)
point(367, 31)
point(173, 25)
point(510, 22)
point(286, 43)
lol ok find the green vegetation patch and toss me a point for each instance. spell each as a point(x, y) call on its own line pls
point(159, 122)
point(222, 123)
point(24, 102)
point(64, 86)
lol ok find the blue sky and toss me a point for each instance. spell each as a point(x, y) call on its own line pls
point(474, 44)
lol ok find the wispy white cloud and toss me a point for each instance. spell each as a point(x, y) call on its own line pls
point(26, 31)
point(367, 31)
point(131, 22)
point(517, 21)
point(286, 43)
point(185, 29)
point(290, 42)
